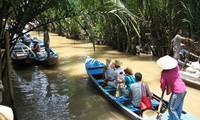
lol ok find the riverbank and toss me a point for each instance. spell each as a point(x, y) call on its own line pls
point(72, 55)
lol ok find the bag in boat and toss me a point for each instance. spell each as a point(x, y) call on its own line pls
point(145, 101)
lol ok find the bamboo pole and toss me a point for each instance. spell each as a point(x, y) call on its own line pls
point(1, 85)
point(9, 74)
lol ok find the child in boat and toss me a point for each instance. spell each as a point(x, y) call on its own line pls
point(128, 80)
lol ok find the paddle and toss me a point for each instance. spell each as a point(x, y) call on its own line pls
point(159, 107)
point(152, 114)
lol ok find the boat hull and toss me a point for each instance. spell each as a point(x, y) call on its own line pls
point(191, 78)
point(95, 68)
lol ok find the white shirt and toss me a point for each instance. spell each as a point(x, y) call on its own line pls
point(177, 42)
point(109, 72)
point(117, 73)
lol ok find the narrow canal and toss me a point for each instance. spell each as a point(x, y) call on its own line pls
point(63, 91)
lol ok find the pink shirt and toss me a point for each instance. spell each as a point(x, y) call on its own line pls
point(171, 81)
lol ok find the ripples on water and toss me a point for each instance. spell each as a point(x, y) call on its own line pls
point(41, 94)
point(45, 94)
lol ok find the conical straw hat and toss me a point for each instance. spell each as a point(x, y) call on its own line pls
point(167, 62)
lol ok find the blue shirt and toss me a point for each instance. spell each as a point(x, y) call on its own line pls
point(128, 81)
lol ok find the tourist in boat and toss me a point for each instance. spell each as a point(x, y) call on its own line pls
point(173, 84)
point(109, 73)
point(176, 43)
point(128, 80)
point(119, 77)
point(136, 90)
point(36, 46)
point(107, 69)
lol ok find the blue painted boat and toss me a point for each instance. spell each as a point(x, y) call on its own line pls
point(95, 68)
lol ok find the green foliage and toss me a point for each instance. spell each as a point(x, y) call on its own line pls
point(115, 21)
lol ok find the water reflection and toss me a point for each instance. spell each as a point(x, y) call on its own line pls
point(43, 96)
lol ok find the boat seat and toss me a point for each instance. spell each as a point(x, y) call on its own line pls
point(154, 103)
point(123, 98)
point(95, 71)
point(110, 89)
point(132, 108)
point(100, 80)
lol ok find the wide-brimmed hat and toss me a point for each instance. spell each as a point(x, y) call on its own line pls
point(167, 62)
point(117, 63)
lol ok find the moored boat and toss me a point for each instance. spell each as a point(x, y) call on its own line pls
point(22, 54)
point(95, 68)
point(42, 56)
point(191, 74)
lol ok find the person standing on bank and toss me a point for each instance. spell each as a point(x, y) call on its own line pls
point(173, 84)
point(46, 40)
point(176, 43)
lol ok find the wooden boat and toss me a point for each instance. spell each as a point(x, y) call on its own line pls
point(22, 54)
point(95, 68)
point(42, 56)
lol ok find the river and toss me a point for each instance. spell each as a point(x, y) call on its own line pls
point(63, 91)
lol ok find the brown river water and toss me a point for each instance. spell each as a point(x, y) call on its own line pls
point(63, 91)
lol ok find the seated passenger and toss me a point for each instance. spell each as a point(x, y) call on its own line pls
point(107, 68)
point(109, 74)
point(119, 77)
point(36, 46)
point(136, 92)
point(128, 79)
point(184, 52)
point(184, 55)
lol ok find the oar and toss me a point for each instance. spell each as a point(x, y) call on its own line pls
point(159, 107)
point(194, 55)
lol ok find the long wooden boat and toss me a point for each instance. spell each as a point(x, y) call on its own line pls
point(190, 76)
point(42, 57)
point(95, 68)
point(22, 54)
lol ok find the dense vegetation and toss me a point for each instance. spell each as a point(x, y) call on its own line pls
point(122, 24)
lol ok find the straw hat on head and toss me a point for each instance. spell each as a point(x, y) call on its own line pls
point(117, 63)
point(167, 62)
